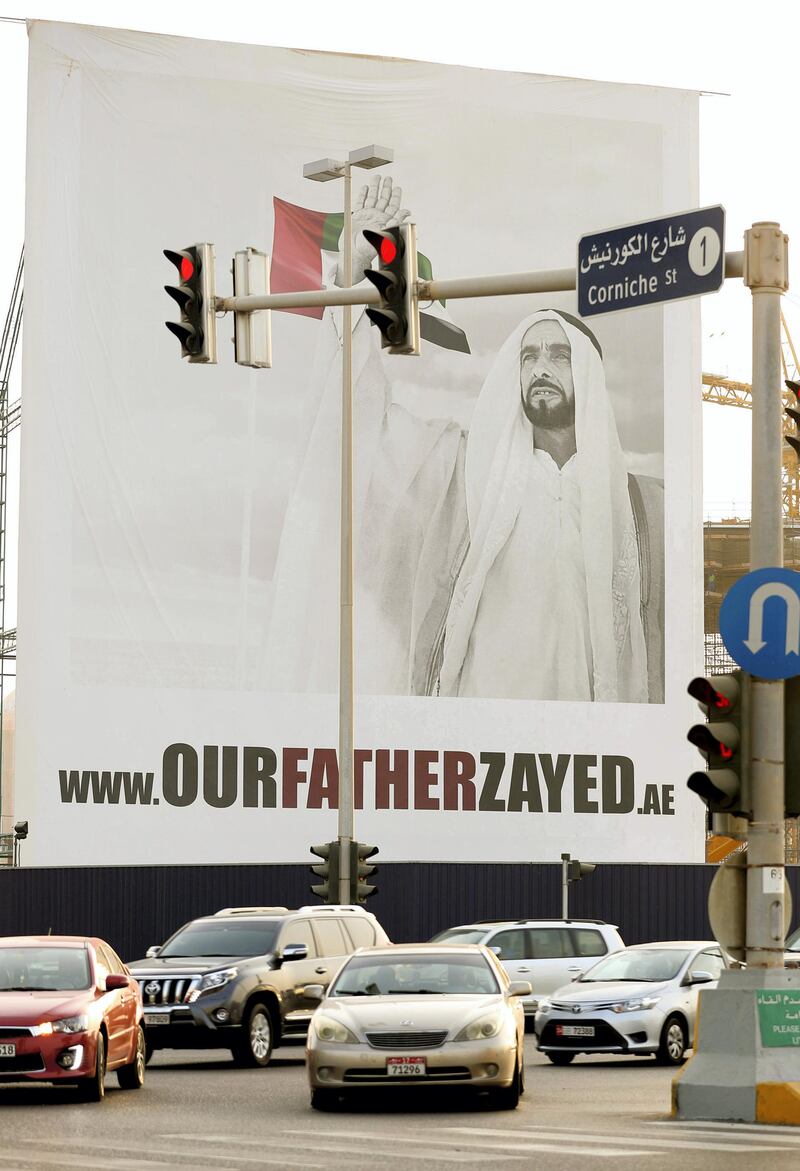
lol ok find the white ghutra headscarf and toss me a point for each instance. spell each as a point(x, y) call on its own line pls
point(498, 450)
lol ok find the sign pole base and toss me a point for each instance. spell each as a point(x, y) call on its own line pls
point(745, 1066)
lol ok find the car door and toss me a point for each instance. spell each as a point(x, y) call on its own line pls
point(333, 946)
point(512, 947)
point(297, 973)
point(553, 957)
point(119, 1007)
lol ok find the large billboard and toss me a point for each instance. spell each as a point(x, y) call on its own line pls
point(526, 494)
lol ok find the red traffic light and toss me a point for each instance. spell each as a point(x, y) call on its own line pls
point(388, 250)
point(705, 693)
point(187, 268)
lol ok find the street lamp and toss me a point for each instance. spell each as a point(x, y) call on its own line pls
point(323, 171)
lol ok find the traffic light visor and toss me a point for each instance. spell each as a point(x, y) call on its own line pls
point(712, 698)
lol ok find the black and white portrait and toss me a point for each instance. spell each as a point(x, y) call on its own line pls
point(513, 558)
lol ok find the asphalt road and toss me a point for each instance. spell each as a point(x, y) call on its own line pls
point(198, 1111)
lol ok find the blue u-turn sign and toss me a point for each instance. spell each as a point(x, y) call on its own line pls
point(759, 621)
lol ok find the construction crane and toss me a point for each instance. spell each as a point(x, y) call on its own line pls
point(728, 393)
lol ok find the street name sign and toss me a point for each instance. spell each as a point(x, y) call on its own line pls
point(759, 621)
point(668, 259)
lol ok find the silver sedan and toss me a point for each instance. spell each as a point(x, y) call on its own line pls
point(422, 1014)
point(642, 1000)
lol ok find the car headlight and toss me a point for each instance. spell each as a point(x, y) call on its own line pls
point(482, 1028)
point(641, 1002)
point(214, 980)
point(70, 1024)
point(543, 1006)
point(327, 1029)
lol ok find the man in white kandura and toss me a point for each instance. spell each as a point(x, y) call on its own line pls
point(520, 560)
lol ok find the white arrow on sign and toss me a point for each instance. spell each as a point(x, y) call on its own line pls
point(774, 589)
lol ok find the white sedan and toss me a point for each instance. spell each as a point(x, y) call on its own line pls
point(418, 1015)
point(642, 1000)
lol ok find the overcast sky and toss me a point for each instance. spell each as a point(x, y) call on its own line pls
point(749, 161)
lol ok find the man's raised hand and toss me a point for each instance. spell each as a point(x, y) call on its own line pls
point(376, 206)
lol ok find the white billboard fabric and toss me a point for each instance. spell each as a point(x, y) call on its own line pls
point(526, 514)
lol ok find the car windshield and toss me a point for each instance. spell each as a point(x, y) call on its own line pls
point(415, 975)
point(224, 938)
point(793, 942)
point(646, 964)
point(44, 969)
point(461, 935)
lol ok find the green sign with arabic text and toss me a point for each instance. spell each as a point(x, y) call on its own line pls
point(779, 1017)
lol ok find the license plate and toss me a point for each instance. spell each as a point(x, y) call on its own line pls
point(156, 1018)
point(406, 1066)
point(8, 1051)
point(575, 1030)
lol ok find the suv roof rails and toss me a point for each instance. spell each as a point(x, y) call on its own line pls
point(252, 911)
point(314, 907)
point(538, 919)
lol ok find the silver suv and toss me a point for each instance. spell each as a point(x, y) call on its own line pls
point(236, 980)
point(547, 952)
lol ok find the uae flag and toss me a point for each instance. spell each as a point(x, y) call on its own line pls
point(300, 238)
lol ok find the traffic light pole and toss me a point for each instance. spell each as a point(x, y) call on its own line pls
point(346, 633)
point(765, 275)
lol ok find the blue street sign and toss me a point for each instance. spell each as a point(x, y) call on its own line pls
point(657, 260)
point(759, 621)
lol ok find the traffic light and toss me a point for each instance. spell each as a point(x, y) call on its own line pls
point(794, 414)
point(577, 870)
point(360, 871)
point(397, 317)
point(197, 328)
point(252, 331)
point(724, 742)
point(328, 871)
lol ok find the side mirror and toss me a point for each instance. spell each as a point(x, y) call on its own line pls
point(701, 978)
point(520, 988)
point(498, 951)
point(314, 991)
point(152, 952)
point(117, 980)
point(294, 951)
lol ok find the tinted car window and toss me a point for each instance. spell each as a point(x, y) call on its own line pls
point(330, 938)
point(588, 942)
point(109, 959)
point(514, 945)
point(224, 938)
point(298, 932)
point(361, 932)
point(551, 943)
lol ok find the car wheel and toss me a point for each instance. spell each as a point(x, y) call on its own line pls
point(93, 1088)
point(131, 1077)
point(148, 1052)
point(529, 1024)
point(561, 1058)
point(673, 1044)
point(255, 1047)
point(324, 1099)
point(507, 1098)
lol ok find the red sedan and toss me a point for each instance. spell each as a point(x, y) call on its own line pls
point(69, 1011)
